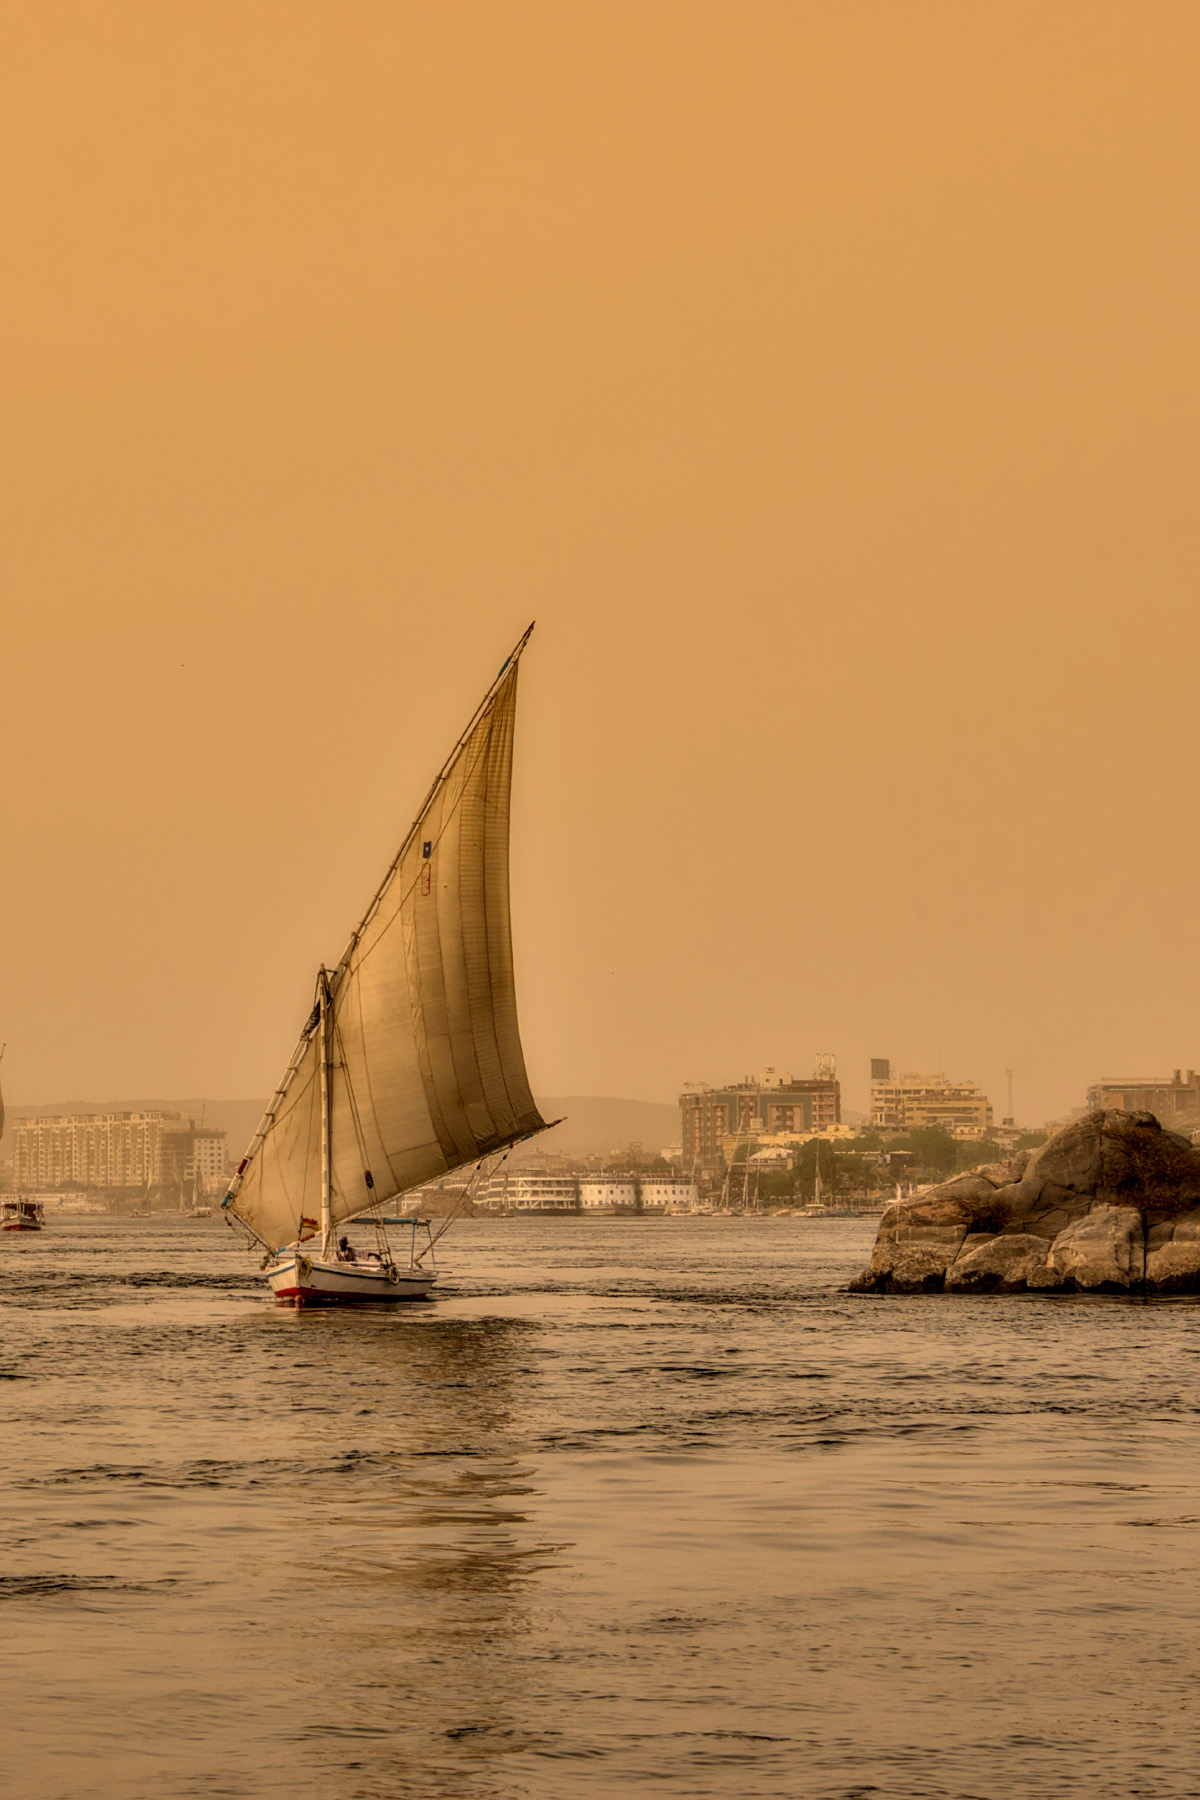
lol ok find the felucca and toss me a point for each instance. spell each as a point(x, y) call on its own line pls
point(410, 1064)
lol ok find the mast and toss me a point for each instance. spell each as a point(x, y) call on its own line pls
point(326, 1164)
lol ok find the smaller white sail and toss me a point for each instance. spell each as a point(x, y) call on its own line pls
point(425, 1067)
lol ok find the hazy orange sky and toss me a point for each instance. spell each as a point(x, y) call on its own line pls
point(822, 377)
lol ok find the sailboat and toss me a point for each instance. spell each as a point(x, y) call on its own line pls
point(410, 1063)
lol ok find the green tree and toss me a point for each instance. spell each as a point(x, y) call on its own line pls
point(934, 1149)
point(975, 1152)
point(775, 1186)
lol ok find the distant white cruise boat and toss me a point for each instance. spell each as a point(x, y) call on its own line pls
point(594, 1192)
point(410, 1064)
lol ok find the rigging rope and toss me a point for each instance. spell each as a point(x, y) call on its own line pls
point(381, 1238)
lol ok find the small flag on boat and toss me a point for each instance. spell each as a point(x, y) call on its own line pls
point(309, 1228)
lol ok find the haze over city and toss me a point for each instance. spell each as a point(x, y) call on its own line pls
point(823, 380)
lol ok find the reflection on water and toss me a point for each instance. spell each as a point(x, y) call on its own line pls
point(636, 1508)
point(417, 1551)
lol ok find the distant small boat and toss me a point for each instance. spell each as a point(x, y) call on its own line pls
point(18, 1213)
point(22, 1215)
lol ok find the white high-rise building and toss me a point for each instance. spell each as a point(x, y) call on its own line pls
point(117, 1150)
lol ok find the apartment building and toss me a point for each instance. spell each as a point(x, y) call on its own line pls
point(1174, 1102)
point(128, 1150)
point(766, 1105)
point(909, 1102)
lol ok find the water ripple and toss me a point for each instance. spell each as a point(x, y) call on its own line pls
point(637, 1507)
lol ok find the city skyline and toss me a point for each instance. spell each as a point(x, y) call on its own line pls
point(1166, 1091)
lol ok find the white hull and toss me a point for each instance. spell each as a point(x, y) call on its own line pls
point(299, 1280)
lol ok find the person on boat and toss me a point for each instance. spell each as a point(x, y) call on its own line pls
point(344, 1250)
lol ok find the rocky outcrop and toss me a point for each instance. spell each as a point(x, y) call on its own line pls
point(1111, 1204)
point(1173, 1256)
point(996, 1265)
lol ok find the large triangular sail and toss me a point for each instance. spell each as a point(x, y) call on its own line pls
point(424, 1064)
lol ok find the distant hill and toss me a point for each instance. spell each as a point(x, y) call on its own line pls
point(591, 1126)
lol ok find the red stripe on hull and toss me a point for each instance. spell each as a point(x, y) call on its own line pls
point(308, 1297)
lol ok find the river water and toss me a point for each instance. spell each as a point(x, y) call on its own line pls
point(635, 1508)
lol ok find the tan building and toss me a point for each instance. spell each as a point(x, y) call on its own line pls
point(192, 1156)
point(910, 1102)
point(1174, 1102)
point(767, 1106)
point(117, 1150)
point(209, 1159)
